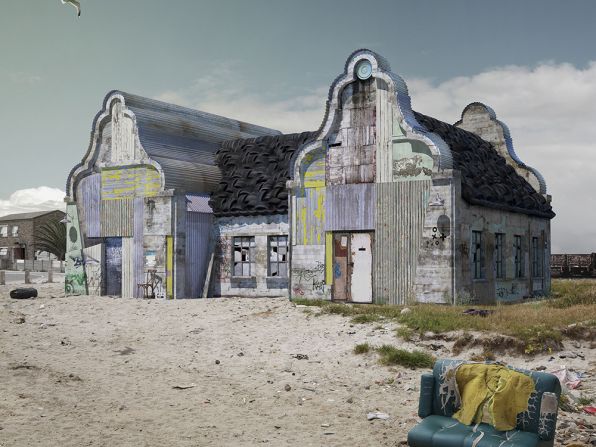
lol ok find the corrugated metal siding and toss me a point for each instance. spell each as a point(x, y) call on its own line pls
point(400, 223)
point(128, 267)
point(198, 227)
point(139, 258)
point(350, 207)
point(89, 199)
point(117, 218)
point(310, 217)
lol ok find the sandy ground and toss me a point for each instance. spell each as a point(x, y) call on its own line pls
point(101, 371)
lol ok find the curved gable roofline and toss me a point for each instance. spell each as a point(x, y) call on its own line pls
point(380, 70)
point(178, 139)
point(508, 140)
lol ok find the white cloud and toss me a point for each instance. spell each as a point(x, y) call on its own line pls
point(550, 110)
point(42, 198)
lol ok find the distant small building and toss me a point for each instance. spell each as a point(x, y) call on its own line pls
point(17, 234)
point(573, 265)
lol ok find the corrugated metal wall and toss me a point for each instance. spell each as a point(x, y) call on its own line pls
point(400, 223)
point(117, 218)
point(350, 207)
point(310, 217)
point(139, 258)
point(88, 198)
point(128, 267)
point(198, 227)
point(93, 268)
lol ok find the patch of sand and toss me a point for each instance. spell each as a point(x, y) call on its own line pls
point(101, 371)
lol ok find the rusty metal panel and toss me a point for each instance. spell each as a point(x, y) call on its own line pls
point(310, 216)
point(89, 198)
point(198, 228)
point(399, 226)
point(350, 207)
point(117, 218)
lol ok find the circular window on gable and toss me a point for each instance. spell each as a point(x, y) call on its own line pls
point(363, 69)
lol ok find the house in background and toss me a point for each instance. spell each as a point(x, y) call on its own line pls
point(17, 235)
point(385, 205)
point(137, 203)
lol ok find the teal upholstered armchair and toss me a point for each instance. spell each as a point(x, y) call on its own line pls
point(438, 397)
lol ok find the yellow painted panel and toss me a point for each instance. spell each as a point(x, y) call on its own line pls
point(140, 181)
point(329, 258)
point(169, 267)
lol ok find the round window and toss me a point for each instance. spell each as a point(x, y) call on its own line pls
point(363, 69)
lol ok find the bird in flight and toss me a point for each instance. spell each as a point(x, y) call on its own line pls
point(74, 3)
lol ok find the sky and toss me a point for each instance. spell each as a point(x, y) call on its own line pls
point(271, 62)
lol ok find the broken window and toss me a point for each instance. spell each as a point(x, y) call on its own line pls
point(3, 230)
point(3, 251)
point(15, 231)
point(536, 264)
point(518, 257)
point(499, 266)
point(244, 256)
point(278, 256)
point(477, 254)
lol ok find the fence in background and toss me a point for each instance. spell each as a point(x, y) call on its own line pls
point(33, 266)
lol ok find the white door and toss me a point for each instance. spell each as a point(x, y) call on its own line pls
point(361, 266)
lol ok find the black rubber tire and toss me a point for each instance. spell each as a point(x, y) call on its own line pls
point(23, 293)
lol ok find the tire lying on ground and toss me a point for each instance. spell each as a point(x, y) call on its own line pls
point(23, 293)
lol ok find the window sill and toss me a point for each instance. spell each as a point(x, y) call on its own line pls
point(277, 277)
point(243, 277)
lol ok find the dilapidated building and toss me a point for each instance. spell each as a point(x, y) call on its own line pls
point(137, 206)
point(383, 204)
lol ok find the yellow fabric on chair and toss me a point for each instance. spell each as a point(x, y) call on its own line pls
point(505, 391)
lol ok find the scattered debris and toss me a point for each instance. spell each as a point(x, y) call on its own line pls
point(126, 351)
point(405, 310)
point(568, 379)
point(184, 387)
point(480, 312)
point(23, 293)
point(217, 362)
point(590, 409)
point(300, 356)
point(287, 387)
point(377, 415)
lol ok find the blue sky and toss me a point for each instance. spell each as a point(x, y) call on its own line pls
point(271, 62)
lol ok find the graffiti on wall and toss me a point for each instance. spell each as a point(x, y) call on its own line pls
point(506, 293)
point(142, 181)
point(75, 281)
point(309, 279)
point(436, 238)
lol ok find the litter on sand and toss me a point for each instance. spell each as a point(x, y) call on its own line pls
point(377, 415)
point(184, 387)
point(569, 379)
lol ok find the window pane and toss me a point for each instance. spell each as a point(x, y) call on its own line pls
point(283, 270)
point(237, 269)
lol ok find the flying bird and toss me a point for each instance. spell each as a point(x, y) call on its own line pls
point(74, 3)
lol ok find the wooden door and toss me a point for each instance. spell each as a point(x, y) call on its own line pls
point(341, 275)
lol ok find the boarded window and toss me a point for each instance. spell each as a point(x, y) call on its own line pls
point(3, 251)
point(244, 256)
point(278, 256)
point(15, 231)
point(3, 230)
point(499, 265)
point(518, 256)
point(477, 255)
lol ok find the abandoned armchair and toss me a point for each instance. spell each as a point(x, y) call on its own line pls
point(466, 404)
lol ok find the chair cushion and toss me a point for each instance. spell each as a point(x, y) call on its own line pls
point(442, 431)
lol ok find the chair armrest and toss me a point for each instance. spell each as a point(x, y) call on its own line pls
point(547, 423)
point(427, 388)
